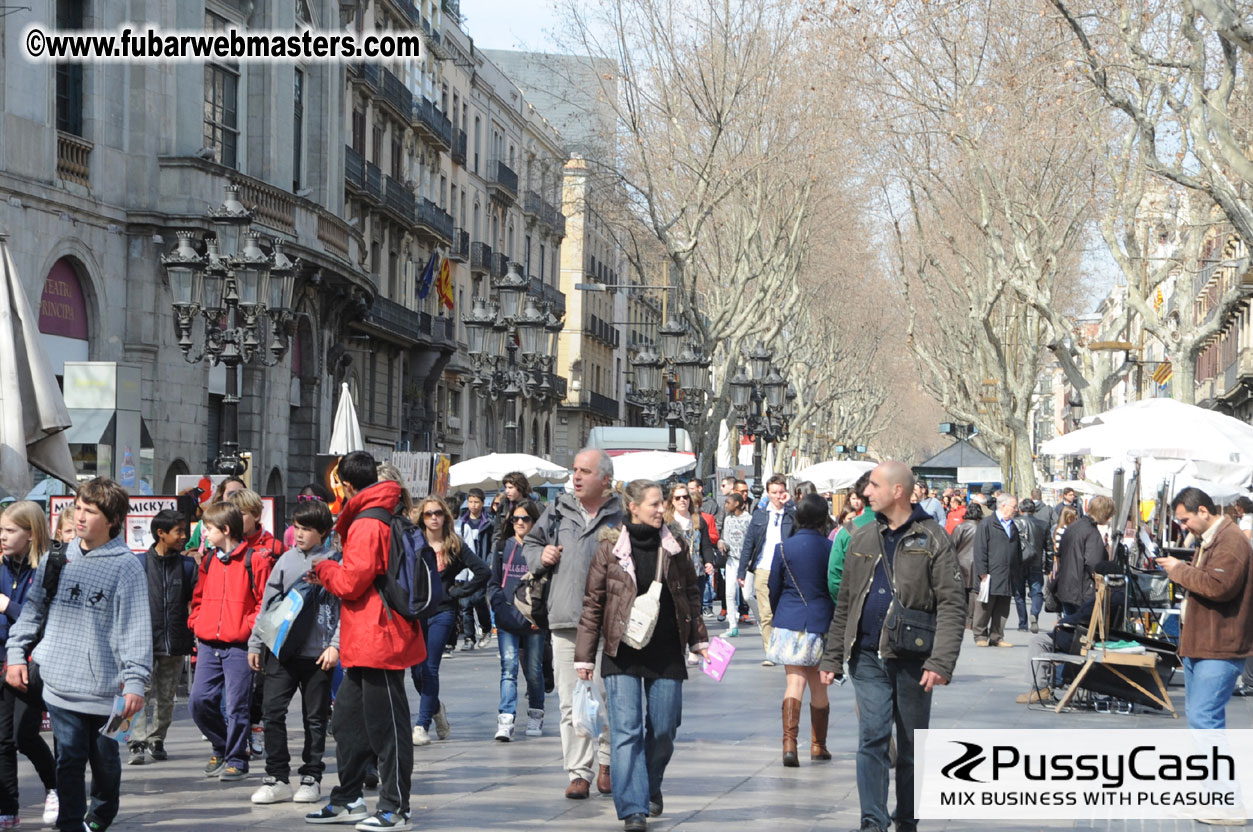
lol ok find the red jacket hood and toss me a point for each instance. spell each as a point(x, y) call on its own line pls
point(383, 494)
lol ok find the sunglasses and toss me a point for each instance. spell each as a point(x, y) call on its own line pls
point(681, 497)
point(521, 518)
point(432, 514)
point(309, 498)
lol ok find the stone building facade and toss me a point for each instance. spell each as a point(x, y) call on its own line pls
point(362, 171)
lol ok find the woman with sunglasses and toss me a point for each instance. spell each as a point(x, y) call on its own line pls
point(514, 633)
point(697, 533)
point(452, 557)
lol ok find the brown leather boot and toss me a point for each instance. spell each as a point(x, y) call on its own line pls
point(791, 724)
point(818, 725)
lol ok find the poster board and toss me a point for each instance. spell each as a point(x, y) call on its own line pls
point(137, 527)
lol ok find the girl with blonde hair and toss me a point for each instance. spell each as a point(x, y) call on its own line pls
point(23, 542)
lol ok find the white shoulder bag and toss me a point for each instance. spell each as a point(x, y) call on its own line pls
point(645, 611)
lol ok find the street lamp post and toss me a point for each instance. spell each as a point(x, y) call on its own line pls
point(764, 404)
point(659, 378)
point(526, 331)
point(244, 296)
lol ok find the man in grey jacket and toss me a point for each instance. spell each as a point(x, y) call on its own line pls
point(97, 643)
point(565, 539)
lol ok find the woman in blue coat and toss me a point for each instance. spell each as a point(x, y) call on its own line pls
point(802, 614)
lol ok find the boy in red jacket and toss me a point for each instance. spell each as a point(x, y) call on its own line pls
point(224, 607)
point(377, 646)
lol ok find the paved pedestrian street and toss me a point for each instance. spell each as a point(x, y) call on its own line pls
point(726, 772)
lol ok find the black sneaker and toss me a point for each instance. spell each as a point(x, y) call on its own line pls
point(655, 806)
point(157, 750)
point(371, 779)
point(635, 823)
point(330, 813)
point(138, 754)
point(91, 823)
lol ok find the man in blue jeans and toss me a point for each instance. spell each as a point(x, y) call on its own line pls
point(97, 643)
point(904, 558)
point(1216, 633)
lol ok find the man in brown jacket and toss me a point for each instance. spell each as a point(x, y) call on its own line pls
point(1217, 629)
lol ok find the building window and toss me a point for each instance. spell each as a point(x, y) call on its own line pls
point(70, 76)
point(393, 276)
point(478, 141)
point(221, 93)
point(542, 274)
point(454, 403)
point(391, 392)
point(456, 111)
point(358, 130)
point(526, 252)
point(298, 128)
point(397, 159)
point(376, 140)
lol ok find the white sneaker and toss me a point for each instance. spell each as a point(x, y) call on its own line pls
point(420, 736)
point(485, 639)
point(309, 791)
point(504, 727)
point(534, 722)
point(272, 791)
point(442, 728)
point(52, 807)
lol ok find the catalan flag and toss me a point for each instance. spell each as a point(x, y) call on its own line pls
point(443, 284)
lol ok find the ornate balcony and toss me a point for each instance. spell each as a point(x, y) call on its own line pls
point(430, 122)
point(502, 182)
point(73, 159)
point(480, 258)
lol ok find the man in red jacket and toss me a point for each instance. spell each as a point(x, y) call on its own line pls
point(376, 647)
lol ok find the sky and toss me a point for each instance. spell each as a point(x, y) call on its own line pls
point(511, 24)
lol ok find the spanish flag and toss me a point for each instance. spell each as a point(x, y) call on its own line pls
point(443, 284)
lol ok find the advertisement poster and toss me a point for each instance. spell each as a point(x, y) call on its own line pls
point(137, 528)
point(443, 462)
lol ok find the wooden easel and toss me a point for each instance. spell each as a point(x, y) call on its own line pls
point(1096, 635)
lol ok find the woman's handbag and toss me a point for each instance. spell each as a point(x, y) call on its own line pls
point(645, 611)
point(531, 597)
point(910, 632)
point(1051, 603)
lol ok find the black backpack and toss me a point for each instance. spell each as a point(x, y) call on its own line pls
point(411, 586)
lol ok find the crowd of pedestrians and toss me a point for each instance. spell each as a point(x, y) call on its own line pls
point(882, 594)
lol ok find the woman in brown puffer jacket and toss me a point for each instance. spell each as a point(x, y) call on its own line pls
point(643, 685)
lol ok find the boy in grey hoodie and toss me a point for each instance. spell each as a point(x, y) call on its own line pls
point(96, 644)
point(309, 669)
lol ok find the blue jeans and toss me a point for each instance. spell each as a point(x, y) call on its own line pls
point(439, 628)
point(1030, 586)
point(888, 694)
point(221, 697)
point(80, 743)
point(1208, 684)
point(532, 644)
point(644, 715)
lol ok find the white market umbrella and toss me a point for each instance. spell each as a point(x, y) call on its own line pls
point(346, 430)
point(651, 465)
point(1177, 473)
point(1217, 445)
point(834, 474)
point(487, 471)
point(1080, 486)
point(33, 417)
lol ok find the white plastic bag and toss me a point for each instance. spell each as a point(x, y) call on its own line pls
point(983, 589)
point(590, 716)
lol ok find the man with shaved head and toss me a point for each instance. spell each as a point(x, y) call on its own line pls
point(899, 569)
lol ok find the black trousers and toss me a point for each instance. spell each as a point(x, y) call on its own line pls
point(20, 715)
point(372, 719)
point(474, 605)
point(281, 683)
